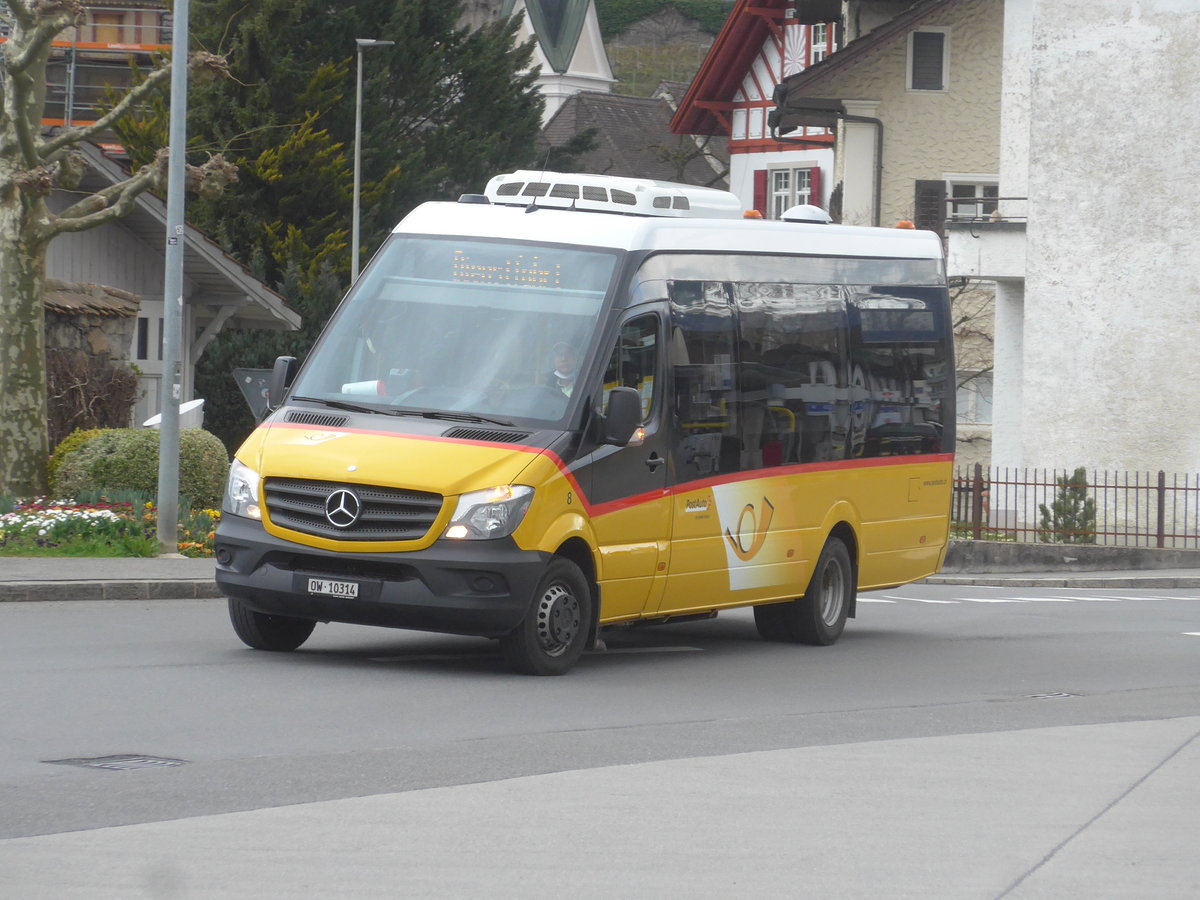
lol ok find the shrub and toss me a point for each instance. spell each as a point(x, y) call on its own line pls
point(1071, 518)
point(65, 448)
point(126, 459)
point(87, 392)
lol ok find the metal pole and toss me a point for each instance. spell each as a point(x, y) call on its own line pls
point(168, 432)
point(357, 167)
point(362, 44)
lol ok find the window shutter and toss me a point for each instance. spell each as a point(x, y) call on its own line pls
point(760, 191)
point(814, 186)
point(927, 57)
point(930, 206)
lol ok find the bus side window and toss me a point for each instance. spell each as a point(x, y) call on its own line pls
point(634, 362)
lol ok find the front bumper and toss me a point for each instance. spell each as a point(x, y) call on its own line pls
point(470, 587)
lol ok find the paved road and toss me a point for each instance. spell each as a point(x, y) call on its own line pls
point(961, 741)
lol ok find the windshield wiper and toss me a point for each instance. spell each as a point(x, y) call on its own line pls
point(341, 404)
point(411, 411)
point(453, 416)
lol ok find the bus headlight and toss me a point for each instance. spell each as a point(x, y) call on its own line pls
point(492, 513)
point(241, 492)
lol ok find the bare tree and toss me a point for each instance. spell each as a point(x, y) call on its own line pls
point(33, 163)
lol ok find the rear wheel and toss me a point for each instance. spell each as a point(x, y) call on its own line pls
point(264, 632)
point(552, 637)
point(819, 617)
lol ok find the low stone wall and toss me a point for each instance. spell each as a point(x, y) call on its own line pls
point(1000, 556)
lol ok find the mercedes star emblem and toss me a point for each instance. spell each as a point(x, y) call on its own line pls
point(342, 508)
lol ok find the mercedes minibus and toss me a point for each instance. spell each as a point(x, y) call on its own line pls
point(576, 402)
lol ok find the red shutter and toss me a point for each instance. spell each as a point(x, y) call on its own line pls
point(760, 191)
point(814, 187)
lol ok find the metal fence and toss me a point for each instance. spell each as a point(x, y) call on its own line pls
point(1131, 509)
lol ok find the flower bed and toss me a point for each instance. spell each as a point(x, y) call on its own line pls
point(43, 527)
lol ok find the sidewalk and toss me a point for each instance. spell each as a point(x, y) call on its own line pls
point(57, 578)
point(175, 578)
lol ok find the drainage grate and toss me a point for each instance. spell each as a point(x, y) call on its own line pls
point(120, 762)
point(1052, 695)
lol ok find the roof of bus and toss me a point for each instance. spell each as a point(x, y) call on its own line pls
point(623, 232)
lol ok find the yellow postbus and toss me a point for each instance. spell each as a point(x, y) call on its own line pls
point(574, 402)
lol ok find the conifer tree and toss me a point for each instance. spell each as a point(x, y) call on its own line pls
point(443, 110)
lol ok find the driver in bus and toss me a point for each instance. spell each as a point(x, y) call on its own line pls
point(566, 367)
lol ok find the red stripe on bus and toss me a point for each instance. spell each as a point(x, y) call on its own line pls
point(622, 503)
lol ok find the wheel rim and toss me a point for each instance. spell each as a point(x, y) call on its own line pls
point(558, 619)
point(833, 592)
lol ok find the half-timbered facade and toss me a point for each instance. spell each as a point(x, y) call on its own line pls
point(761, 43)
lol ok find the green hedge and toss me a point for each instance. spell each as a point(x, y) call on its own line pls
point(126, 459)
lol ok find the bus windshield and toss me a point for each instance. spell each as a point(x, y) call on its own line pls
point(469, 327)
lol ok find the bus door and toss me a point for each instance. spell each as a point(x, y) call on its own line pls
point(630, 507)
point(705, 444)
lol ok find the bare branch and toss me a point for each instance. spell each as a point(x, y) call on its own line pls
point(38, 38)
point(20, 11)
point(139, 91)
point(108, 204)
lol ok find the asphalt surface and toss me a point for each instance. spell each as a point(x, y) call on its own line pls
point(168, 578)
point(1097, 810)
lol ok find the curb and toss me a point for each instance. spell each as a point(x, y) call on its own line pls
point(172, 589)
point(1156, 582)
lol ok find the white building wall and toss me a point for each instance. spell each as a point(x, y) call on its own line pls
point(1111, 310)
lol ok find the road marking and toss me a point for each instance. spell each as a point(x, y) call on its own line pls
point(1192, 633)
point(612, 649)
point(1043, 599)
point(874, 600)
point(921, 599)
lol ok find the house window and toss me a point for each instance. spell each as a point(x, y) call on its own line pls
point(793, 186)
point(973, 200)
point(143, 338)
point(107, 27)
point(928, 59)
point(819, 43)
point(974, 399)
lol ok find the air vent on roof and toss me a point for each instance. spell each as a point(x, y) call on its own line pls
point(312, 418)
point(482, 434)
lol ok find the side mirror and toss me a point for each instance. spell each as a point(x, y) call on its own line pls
point(282, 376)
point(623, 416)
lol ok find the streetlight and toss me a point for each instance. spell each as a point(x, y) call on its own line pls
point(363, 44)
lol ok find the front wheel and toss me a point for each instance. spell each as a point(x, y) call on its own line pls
point(264, 632)
point(552, 637)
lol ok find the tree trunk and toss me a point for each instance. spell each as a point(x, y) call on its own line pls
point(24, 440)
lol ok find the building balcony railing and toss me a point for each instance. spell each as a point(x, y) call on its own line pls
point(989, 243)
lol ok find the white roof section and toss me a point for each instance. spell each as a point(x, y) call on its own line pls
point(541, 224)
point(613, 194)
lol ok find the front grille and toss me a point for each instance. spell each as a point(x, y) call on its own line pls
point(387, 514)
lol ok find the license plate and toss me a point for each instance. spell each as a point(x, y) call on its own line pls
point(333, 588)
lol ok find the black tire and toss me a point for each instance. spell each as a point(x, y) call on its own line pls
point(819, 617)
point(771, 622)
point(554, 633)
point(264, 632)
